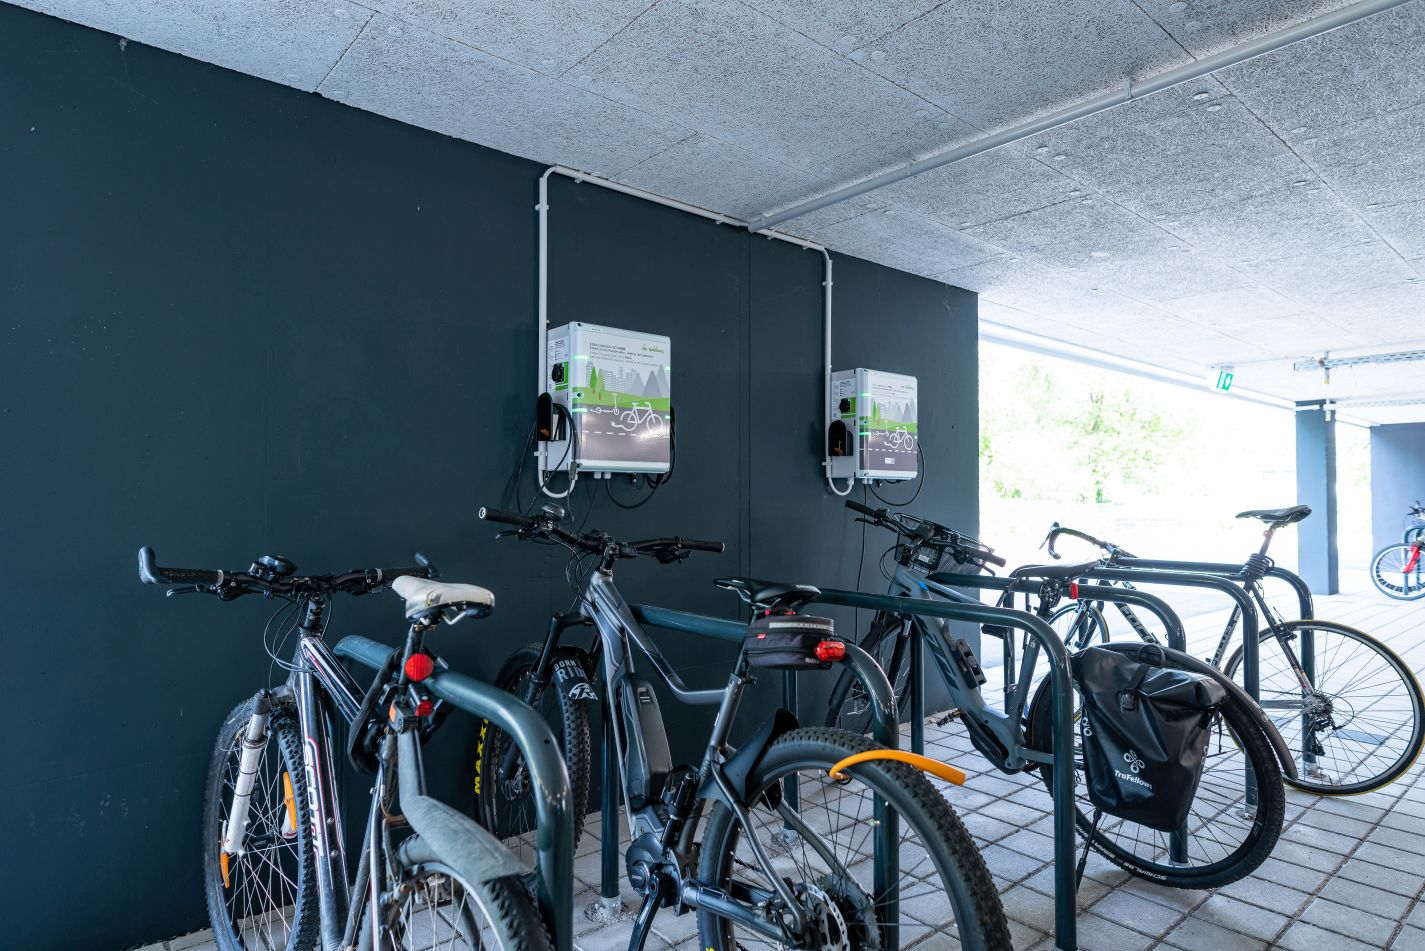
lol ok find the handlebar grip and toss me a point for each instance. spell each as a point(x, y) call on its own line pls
point(151, 573)
point(855, 506)
point(697, 544)
point(996, 560)
point(505, 518)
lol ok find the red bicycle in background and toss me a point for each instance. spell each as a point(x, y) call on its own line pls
point(1399, 570)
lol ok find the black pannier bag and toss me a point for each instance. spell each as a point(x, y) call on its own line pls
point(1144, 731)
point(788, 641)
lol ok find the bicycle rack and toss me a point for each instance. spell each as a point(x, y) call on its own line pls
point(1062, 757)
point(886, 871)
point(554, 836)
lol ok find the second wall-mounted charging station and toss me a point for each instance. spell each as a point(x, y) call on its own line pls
point(873, 430)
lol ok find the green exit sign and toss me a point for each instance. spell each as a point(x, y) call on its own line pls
point(1224, 380)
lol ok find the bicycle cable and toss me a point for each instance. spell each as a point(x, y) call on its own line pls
point(919, 483)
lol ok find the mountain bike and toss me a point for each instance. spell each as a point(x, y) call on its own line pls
point(1347, 705)
point(1240, 806)
point(725, 838)
point(274, 860)
point(1398, 571)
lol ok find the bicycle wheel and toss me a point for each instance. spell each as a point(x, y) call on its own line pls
point(507, 808)
point(848, 707)
point(1398, 571)
point(437, 909)
point(944, 886)
point(1360, 727)
point(1078, 634)
point(1227, 836)
point(265, 896)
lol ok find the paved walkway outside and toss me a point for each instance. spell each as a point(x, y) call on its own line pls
point(1347, 875)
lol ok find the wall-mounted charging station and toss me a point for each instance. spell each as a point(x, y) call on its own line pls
point(872, 432)
point(607, 405)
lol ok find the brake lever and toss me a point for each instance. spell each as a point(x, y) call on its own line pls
point(188, 589)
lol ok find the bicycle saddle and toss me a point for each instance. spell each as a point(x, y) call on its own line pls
point(1278, 518)
point(450, 601)
point(1055, 572)
point(769, 592)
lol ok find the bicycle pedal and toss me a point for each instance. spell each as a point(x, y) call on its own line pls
point(952, 714)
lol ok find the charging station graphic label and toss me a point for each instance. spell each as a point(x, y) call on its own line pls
point(616, 386)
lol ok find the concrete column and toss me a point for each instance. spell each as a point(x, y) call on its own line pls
point(1318, 556)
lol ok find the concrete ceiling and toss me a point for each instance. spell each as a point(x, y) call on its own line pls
point(1273, 211)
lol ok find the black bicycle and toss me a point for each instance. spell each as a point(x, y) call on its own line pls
point(274, 860)
point(1239, 809)
point(1346, 704)
point(770, 844)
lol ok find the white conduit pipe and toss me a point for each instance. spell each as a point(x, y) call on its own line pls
point(543, 317)
point(1131, 90)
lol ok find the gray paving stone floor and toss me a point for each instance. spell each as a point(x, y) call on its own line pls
point(1347, 875)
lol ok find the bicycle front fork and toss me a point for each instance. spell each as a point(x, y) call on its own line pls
point(254, 740)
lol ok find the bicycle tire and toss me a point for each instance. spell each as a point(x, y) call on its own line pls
point(293, 852)
point(1257, 844)
point(1390, 561)
point(1096, 626)
point(509, 812)
point(947, 850)
point(880, 642)
point(1290, 723)
point(513, 920)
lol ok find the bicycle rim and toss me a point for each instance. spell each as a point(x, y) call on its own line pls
point(1361, 727)
point(1390, 575)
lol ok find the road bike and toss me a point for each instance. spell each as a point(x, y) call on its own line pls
point(1398, 571)
point(1239, 809)
point(728, 838)
point(274, 859)
point(1346, 704)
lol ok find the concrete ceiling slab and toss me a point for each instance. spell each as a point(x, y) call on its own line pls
point(737, 74)
point(1023, 61)
point(548, 36)
point(704, 171)
point(906, 241)
point(1376, 65)
point(1205, 27)
point(847, 24)
point(1225, 309)
point(292, 42)
point(1403, 226)
point(987, 187)
point(1376, 160)
point(1300, 220)
point(1308, 278)
point(409, 74)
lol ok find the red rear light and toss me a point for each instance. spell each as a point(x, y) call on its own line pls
point(419, 666)
point(829, 651)
point(1074, 590)
point(424, 708)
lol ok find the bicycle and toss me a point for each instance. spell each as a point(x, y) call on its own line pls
point(1240, 806)
point(900, 438)
point(1398, 571)
point(1347, 705)
point(274, 859)
point(770, 867)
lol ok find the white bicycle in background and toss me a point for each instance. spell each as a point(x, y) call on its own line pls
point(900, 438)
point(639, 416)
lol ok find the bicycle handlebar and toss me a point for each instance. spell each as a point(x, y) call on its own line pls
point(230, 584)
point(665, 550)
point(1107, 547)
point(921, 531)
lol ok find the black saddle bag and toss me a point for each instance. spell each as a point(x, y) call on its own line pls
point(1144, 730)
point(788, 641)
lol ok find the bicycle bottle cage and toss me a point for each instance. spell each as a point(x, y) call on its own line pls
point(790, 641)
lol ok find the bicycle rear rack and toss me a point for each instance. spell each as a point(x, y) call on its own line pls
point(554, 836)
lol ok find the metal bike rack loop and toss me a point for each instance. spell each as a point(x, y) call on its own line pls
point(1232, 572)
point(554, 833)
point(1062, 756)
point(886, 869)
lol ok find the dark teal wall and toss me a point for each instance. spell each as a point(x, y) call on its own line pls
point(1397, 478)
point(236, 318)
point(1318, 556)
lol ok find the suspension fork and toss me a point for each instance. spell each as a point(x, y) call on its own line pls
point(254, 740)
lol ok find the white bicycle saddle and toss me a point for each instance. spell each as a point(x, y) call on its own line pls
point(452, 601)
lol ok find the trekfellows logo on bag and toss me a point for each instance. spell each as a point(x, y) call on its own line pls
point(1135, 763)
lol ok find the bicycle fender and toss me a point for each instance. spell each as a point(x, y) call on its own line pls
point(740, 765)
point(923, 763)
point(447, 835)
point(1145, 653)
point(571, 675)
